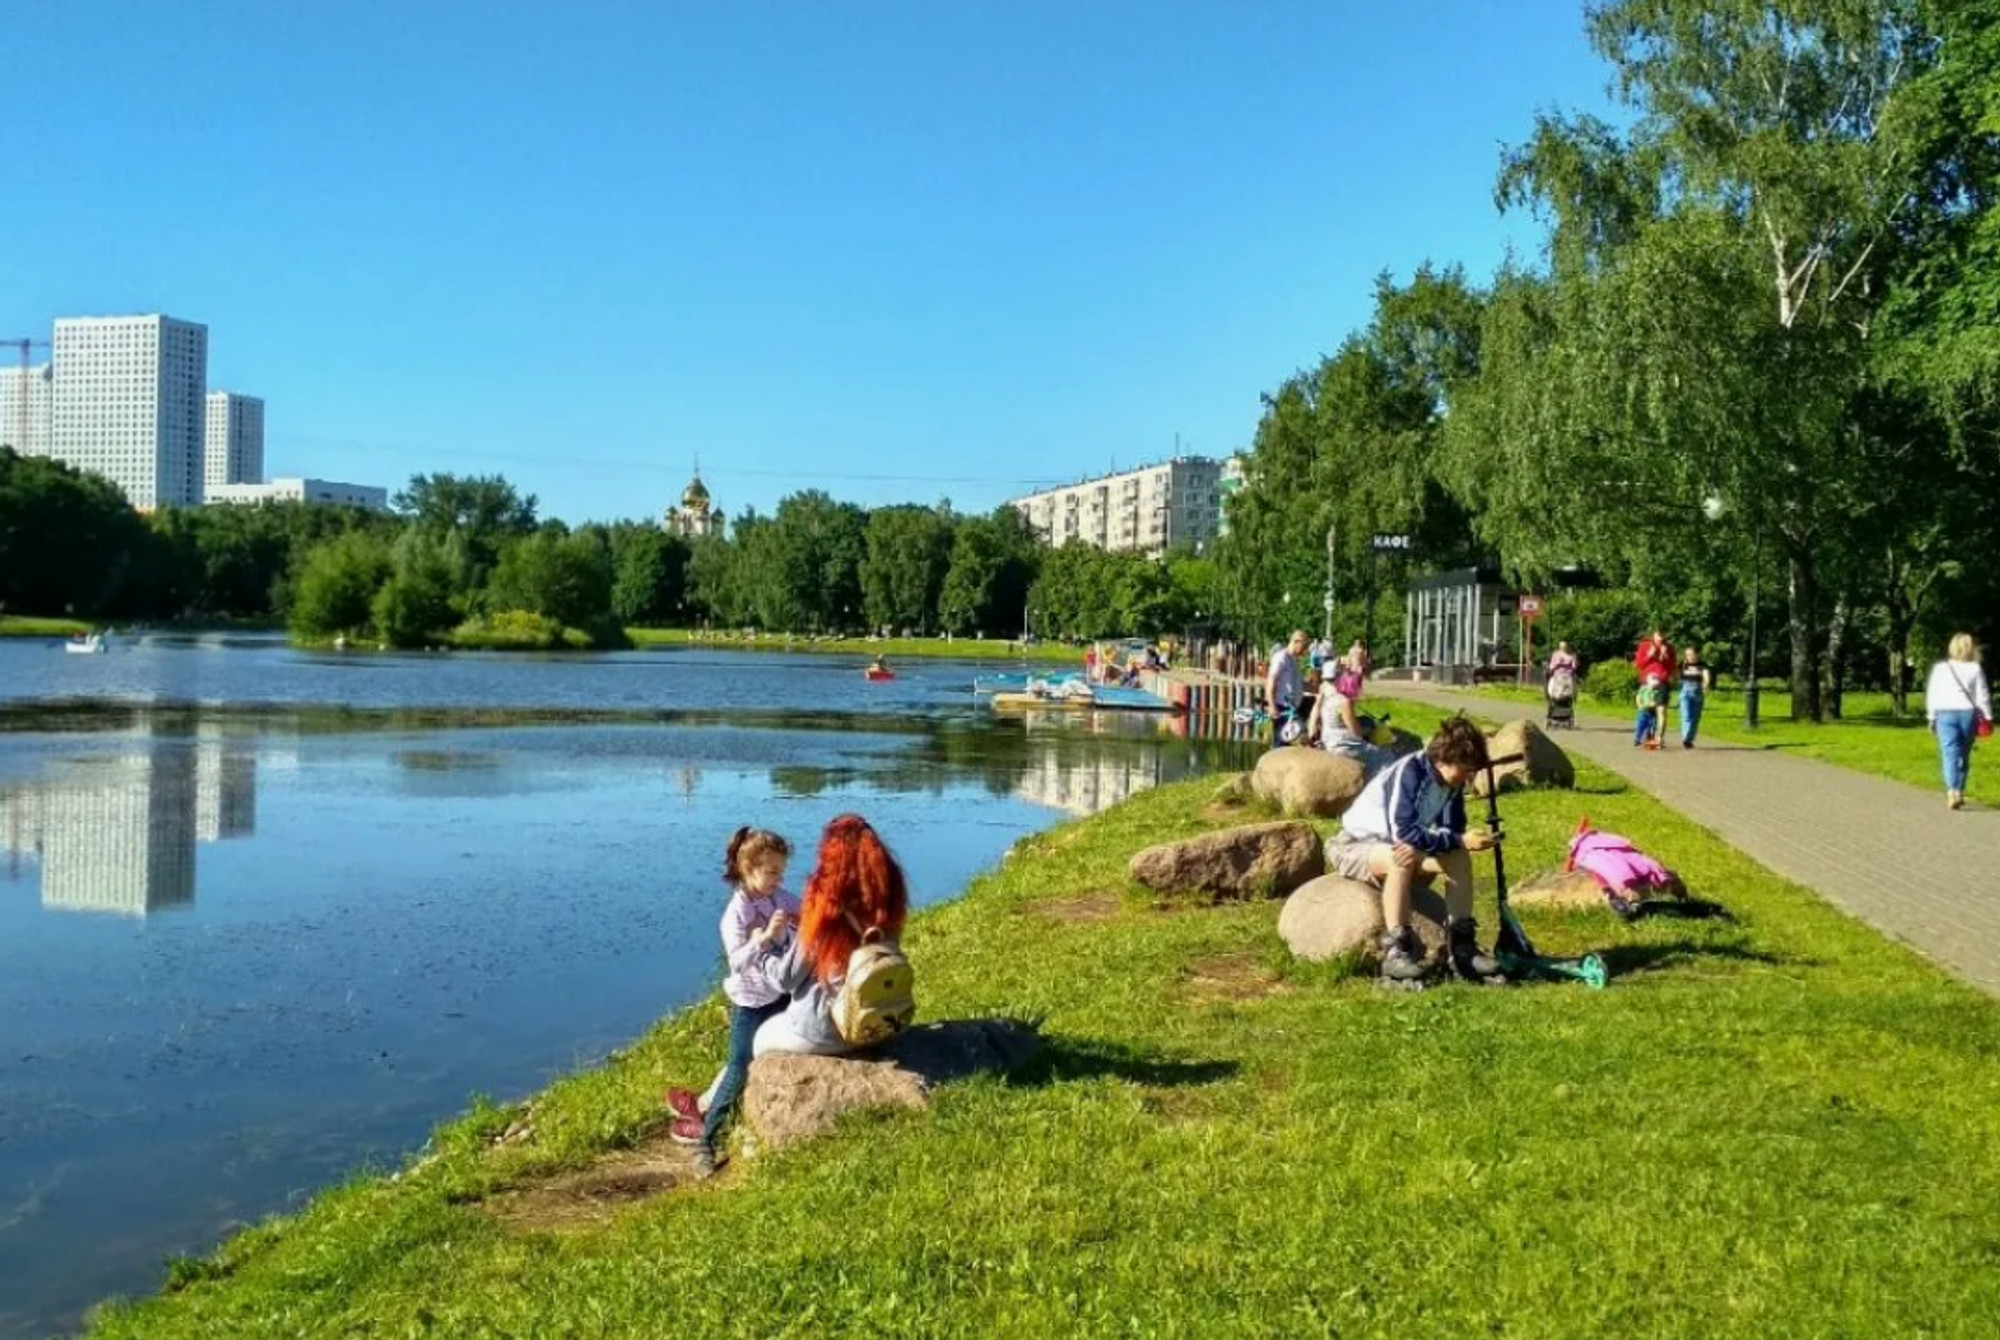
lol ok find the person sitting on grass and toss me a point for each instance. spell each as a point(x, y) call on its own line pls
point(1408, 827)
point(756, 926)
point(855, 888)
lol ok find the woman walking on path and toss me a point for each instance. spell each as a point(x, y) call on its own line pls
point(1695, 684)
point(1960, 707)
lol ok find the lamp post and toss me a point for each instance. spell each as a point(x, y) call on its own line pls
point(1714, 508)
point(1329, 584)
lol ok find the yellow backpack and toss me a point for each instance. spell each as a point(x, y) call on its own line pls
point(877, 998)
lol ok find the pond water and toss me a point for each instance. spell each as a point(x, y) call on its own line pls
point(267, 916)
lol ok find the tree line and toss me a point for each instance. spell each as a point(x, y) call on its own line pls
point(468, 561)
point(1759, 350)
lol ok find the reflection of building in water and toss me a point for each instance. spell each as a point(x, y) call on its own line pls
point(225, 789)
point(118, 834)
point(1092, 782)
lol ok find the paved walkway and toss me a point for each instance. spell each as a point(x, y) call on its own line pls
point(1884, 851)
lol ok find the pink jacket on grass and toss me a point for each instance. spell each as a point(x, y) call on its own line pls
point(1615, 863)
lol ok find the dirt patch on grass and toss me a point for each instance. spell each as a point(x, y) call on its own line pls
point(1103, 905)
point(585, 1199)
point(1232, 977)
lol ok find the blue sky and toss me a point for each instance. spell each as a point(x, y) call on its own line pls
point(897, 249)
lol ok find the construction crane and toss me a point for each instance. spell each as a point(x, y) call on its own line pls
point(24, 417)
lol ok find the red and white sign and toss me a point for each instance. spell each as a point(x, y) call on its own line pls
point(1531, 607)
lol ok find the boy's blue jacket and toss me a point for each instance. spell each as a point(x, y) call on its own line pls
point(1387, 808)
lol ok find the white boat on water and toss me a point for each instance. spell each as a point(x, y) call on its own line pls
point(92, 645)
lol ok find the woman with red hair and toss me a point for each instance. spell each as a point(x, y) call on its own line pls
point(856, 888)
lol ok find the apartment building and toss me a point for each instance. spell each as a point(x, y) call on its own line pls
point(1174, 504)
point(302, 490)
point(233, 452)
point(27, 404)
point(130, 398)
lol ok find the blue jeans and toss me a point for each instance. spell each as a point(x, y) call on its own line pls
point(1954, 732)
point(744, 1021)
point(1642, 726)
point(1691, 703)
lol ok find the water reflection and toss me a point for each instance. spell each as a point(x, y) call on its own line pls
point(118, 833)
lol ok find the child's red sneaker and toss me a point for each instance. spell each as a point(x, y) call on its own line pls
point(685, 1131)
point(684, 1103)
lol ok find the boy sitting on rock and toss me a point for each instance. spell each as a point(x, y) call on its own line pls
point(1408, 826)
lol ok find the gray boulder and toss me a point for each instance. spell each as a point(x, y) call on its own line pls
point(1334, 916)
point(1251, 861)
point(1307, 783)
point(794, 1098)
point(1542, 761)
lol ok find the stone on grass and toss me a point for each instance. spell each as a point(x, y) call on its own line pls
point(1542, 761)
point(1334, 916)
point(1234, 790)
point(794, 1098)
point(1565, 890)
point(1250, 861)
point(1307, 783)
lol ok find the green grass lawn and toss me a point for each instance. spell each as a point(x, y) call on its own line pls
point(964, 648)
point(1869, 738)
point(1784, 1126)
point(19, 625)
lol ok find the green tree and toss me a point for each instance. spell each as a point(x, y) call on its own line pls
point(994, 560)
point(814, 548)
point(908, 553)
point(68, 540)
point(486, 509)
point(337, 583)
point(416, 607)
point(651, 584)
point(565, 578)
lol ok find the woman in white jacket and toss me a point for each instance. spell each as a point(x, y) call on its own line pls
point(1956, 700)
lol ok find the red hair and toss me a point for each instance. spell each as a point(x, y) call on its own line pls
point(855, 876)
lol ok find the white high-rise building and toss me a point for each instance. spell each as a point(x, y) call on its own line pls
point(235, 440)
point(1152, 509)
point(130, 398)
point(26, 404)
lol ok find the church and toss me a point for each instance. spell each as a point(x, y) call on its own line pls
point(697, 515)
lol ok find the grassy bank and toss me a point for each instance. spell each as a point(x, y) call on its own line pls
point(18, 625)
point(964, 648)
point(1779, 1127)
point(1869, 738)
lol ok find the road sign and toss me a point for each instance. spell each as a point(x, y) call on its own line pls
point(1531, 607)
point(1392, 544)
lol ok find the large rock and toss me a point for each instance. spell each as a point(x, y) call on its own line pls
point(1542, 761)
point(1335, 916)
point(793, 1098)
point(1306, 783)
point(1253, 861)
point(1570, 890)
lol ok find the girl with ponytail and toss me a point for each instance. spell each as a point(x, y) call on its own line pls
point(757, 926)
point(856, 887)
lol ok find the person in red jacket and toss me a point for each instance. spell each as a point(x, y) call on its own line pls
point(1655, 657)
point(1655, 663)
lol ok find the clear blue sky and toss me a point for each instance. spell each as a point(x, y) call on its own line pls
point(898, 249)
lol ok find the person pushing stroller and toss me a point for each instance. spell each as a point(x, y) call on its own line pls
point(1560, 687)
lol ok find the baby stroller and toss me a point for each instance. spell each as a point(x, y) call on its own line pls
point(1561, 693)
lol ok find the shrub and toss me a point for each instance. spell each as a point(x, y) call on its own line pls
point(510, 630)
point(335, 591)
point(1611, 682)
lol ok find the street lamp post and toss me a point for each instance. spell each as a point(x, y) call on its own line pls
point(1756, 591)
point(1329, 584)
